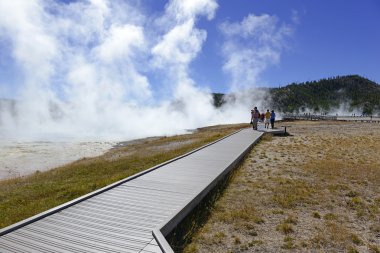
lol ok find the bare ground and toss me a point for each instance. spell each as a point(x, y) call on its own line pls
point(315, 191)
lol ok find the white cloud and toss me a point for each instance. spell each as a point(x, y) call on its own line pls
point(176, 49)
point(23, 21)
point(251, 46)
point(180, 45)
point(182, 41)
point(184, 10)
point(121, 42)
point(295, 17)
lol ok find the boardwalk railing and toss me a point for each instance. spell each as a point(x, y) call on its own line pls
point(308, 117)
point(375, 119)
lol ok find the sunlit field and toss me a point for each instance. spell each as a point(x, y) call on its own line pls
point(318, 189)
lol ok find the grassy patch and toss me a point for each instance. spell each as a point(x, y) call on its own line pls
point(374, 249)
point(330, 216)
point(288, 243)
point(314, 190)
point(289, 193)
point(23, 197)
point(356, 240)
point(285, 228)
point(242, 214)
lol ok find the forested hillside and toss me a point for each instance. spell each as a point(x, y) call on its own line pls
point(354, 93)
point(321, 96)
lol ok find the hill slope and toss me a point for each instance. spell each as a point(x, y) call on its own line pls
point(321, 96)
point(348, 93)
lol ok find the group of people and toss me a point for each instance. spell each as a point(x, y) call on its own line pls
point(267, 117)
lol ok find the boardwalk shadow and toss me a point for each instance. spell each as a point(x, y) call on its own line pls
point(287, 134)
point(182, 234)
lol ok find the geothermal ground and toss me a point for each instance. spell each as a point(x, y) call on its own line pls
point(24, 158)
point(315, 191)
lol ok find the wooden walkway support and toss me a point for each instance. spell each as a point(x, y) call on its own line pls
point(135, 214)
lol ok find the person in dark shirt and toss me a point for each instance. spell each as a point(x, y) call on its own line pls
point(272, 118)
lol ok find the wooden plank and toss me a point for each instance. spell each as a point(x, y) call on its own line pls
point(122, 218)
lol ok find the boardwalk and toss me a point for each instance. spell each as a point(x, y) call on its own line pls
point(277, 130)
point(135, 214)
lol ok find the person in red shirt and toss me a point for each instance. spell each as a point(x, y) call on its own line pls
point(255, 115)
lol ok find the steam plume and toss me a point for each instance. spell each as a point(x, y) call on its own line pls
point(86, 67)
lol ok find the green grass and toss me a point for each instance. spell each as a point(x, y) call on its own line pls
point(286, 227)
point(23, 197)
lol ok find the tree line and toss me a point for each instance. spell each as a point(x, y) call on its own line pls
point(322, 96)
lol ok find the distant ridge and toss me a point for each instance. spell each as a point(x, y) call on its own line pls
point(357, 92)
point(353, 92)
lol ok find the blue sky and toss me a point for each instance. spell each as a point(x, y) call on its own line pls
point(338, 37)
point(325, 38)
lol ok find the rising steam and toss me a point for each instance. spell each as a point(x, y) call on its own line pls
point(86, 69)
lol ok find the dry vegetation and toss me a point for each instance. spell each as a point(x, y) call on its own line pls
point(23, 197)
point(315, 191)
